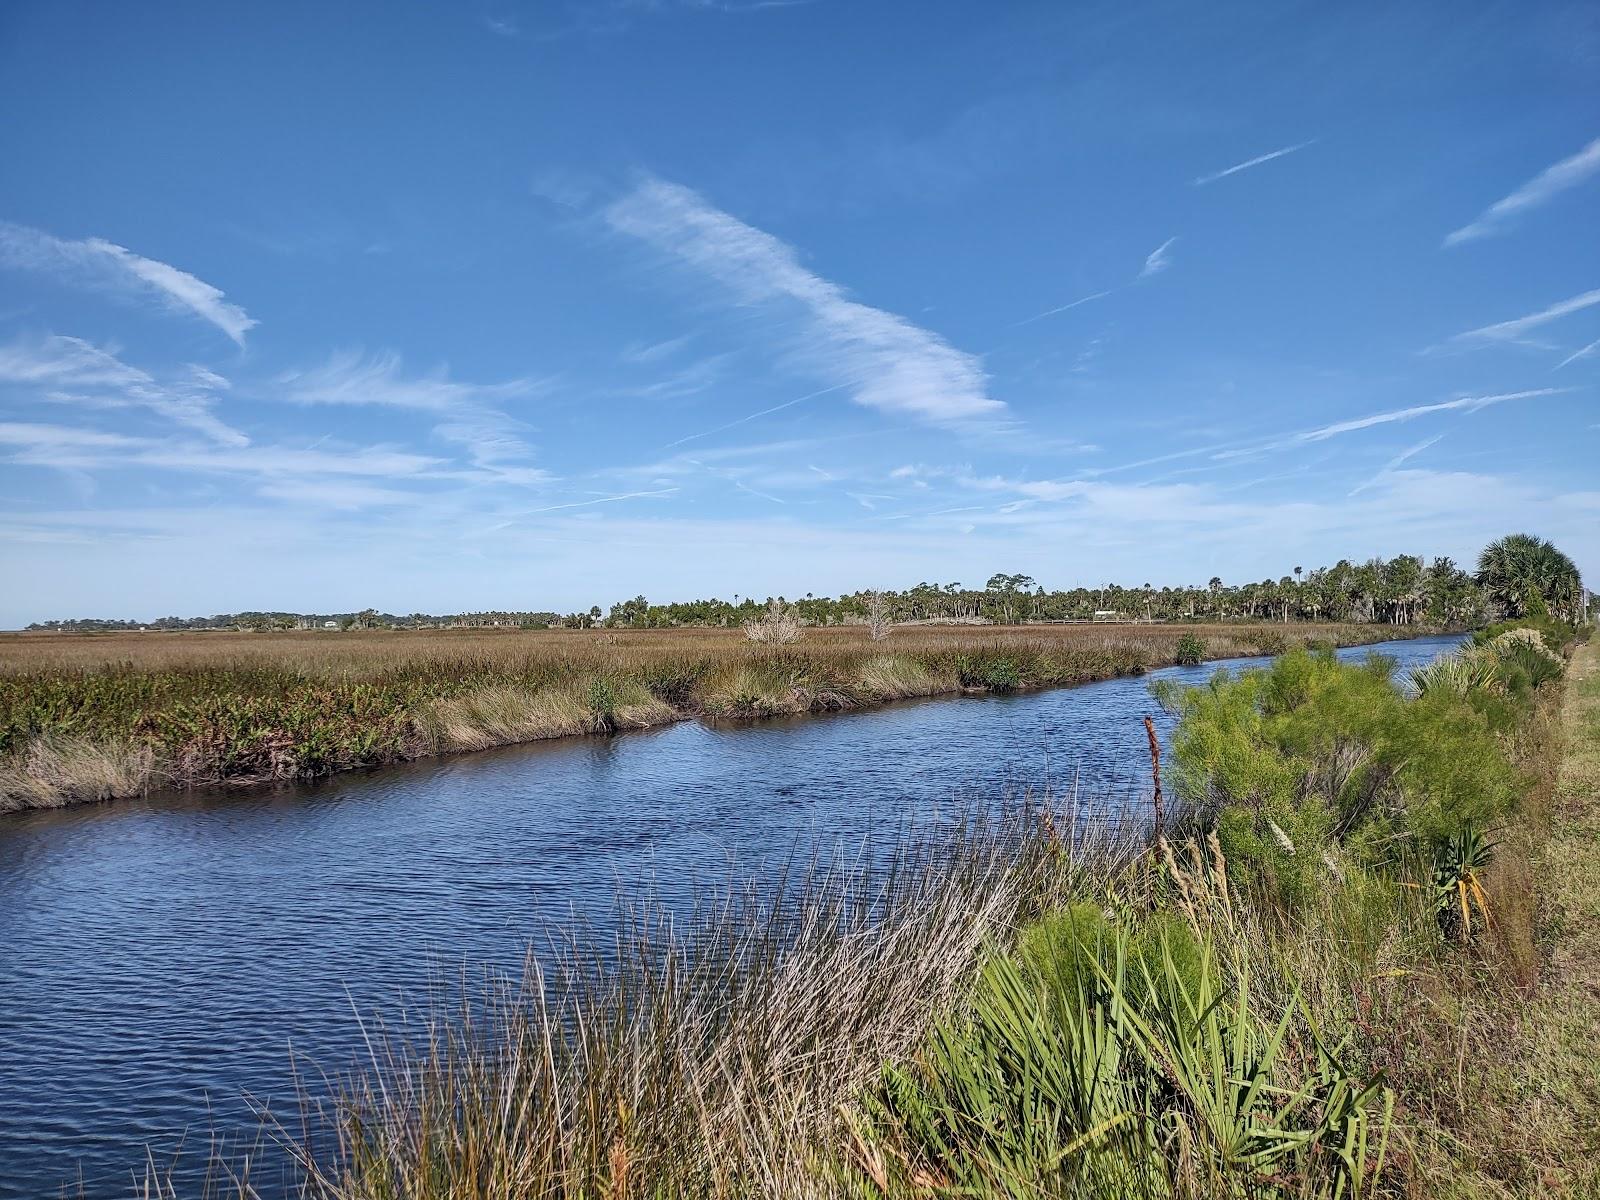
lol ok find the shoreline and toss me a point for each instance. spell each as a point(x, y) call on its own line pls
point(54, 769)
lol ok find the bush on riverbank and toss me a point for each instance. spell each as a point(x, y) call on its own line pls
point(1313, 762)
point(77, 733)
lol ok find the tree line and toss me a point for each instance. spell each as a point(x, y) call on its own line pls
point(1514, 575)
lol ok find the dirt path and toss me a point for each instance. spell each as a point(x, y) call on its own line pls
point(1566, 1050)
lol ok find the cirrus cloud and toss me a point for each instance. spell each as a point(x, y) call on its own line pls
point(105, 266)
point(884, 361)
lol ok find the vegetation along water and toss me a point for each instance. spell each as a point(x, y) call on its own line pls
point(125, 713)
point(1350, 956)
point(1354, 965)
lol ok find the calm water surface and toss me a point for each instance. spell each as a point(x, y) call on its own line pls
point(158, 959)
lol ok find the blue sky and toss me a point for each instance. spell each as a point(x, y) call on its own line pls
point(506, 305)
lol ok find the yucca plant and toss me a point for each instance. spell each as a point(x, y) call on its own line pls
point(1457, 880)
point(1239, 1123)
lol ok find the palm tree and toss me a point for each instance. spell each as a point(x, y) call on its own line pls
point(1519, 566)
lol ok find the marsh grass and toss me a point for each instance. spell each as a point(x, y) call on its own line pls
point(717, 1053)
point(93, 717)
point(53, 770)
point(910, 1025)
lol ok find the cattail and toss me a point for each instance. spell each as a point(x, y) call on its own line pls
point(1332, 864)
point(1219, 871)
point(1185, 894)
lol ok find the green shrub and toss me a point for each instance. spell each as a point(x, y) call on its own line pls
point(1271, 643)
point(1063, 949)
point(1190, 649)
point(602, 700)
point(1287, 759)
point(1073, 948)
point(992, 672)
point(1556, 635)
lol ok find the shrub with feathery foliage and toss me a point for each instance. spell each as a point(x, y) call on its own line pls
point(1292, 758)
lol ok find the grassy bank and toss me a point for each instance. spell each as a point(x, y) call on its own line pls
point(85, 718)
point(1498, 1050)
point(1358, 967)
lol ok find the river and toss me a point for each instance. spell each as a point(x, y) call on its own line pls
point(159, 958)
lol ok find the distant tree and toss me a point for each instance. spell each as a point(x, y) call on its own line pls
point(1520, 564)
point(1007, 588)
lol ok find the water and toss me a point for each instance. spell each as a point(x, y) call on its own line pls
point(158, 959)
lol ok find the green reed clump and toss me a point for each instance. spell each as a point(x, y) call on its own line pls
point(295, 734)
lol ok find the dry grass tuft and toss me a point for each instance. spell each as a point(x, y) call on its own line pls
point(895, 677)
point(502, 716)
point(53, 771)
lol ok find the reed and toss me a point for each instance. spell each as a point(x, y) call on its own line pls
point(721, 1052)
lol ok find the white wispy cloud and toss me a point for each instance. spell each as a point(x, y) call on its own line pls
point(470, 413)
point(1388, 468)
point(1228, 452)
point(1061, 308)
point(1582, 352)
point(1464, 403)
point(1202, 180)
point(1159, 259)
point(650, 352)
point(885, 361)
point(689, 380)
point(106, 266)
point(69, 370)
point(616, 499)
point(66, 362)
point(1390, 417)
point(21, 433)
point(351, 377)
point(90, 450)
point(348, 495)
point(1542, 188)
point(1516, 329)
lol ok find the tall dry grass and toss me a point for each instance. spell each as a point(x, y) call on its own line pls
point(371, 653)
point(717, 1054)
point(54, 770)
point(200, 709)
